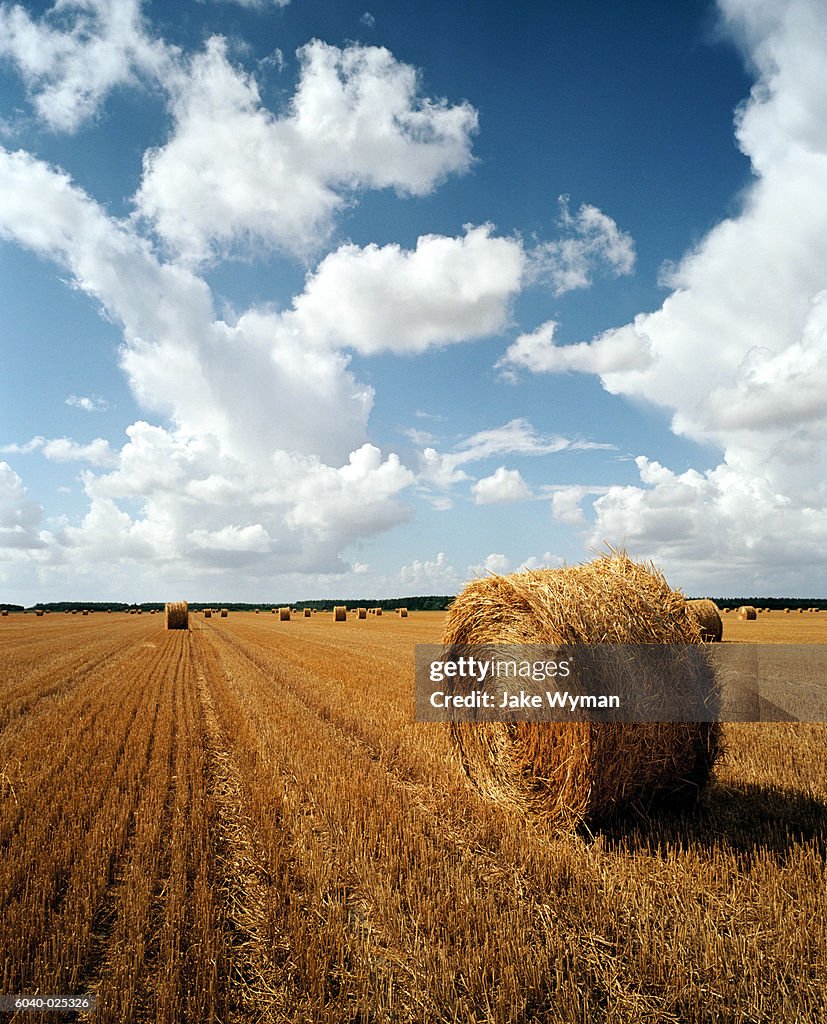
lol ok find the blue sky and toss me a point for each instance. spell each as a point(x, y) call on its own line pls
point(299, 300)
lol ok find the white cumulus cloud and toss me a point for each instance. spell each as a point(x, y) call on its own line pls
point(738, 351)
point(384, 298)
point(501, 488)
point(234, 172)
point(76, 53)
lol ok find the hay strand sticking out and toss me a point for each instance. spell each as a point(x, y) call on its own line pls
point(284, 614)
point(747, 611)
point(176, 614)
point(340, 613)
point(571, 772)
point(705, 613)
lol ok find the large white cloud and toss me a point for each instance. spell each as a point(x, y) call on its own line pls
point(78, 52)
point(738, 351)
point(266, 443)
point(234, 172)
point(385, 298)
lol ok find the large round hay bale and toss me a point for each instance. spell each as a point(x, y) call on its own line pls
point(224, 613)
point(705, 613)
point(362, 613)
point(747, 611)
point(378, 611)
point(38, 612)
point(307, 613)
point(571, 772)
point(284, 614)
point(403, 613)
point(340, 613)
point(208, 613)
point(177, 615)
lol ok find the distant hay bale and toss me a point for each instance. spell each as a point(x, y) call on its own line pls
point(307, 613)
point(362, 613)
point(378, 611)
point(208, 613)
point(403, 613)
point(747, 611)
point(705, 613)
point(284, 614)
point(340, 613)
point(38, 612)
point(571, 772)
point(85, 611)
point(176, 614)
point(224, 613)
point(257, 611)
point(4, 612)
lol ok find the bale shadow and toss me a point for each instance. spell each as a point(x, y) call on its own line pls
point(743, 817)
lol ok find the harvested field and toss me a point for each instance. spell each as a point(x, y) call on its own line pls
point(241, 823)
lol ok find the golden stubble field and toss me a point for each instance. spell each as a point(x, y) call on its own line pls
point(241, 822)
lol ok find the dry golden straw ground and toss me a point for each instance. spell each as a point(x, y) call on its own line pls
point(176, 614)
point(570, 772)
point(705, 613)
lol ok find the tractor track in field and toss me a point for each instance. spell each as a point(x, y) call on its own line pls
point(255, 984)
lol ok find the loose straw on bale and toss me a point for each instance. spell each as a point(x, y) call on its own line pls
point(571, 772)
point(340, 613)
point(284, 614)
point(176, 614)
point(746, 611)
point(705, 613)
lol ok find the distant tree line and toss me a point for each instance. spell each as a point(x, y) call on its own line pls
point(773, 603)
point(428, 603)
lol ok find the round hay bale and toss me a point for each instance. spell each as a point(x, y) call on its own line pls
point(4, 612)
point(571, 772)
point(284, 614)
point(224, 613)
point(362, 613)
point(378, 611)
point(705, 613)
point(177, 615)
point(307, 613)
point(340, 613)
point(38, 612)
point(403, 613)
point(208, 613)
point(747, 612)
